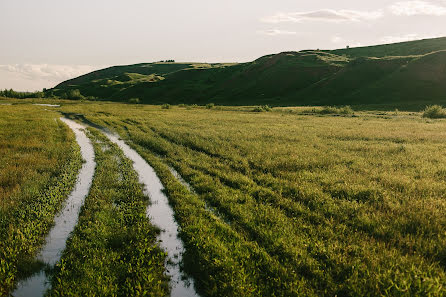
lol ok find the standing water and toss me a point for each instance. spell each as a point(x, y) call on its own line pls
point(65, 222)
point(161, 214)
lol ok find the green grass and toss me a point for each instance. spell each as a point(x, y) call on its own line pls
point(434, 112)
point(295, 204)
point(407, 76)
point(113, 249)
point(39, 162)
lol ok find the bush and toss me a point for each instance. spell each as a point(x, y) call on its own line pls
point(75, 94)
point(134, 100)
point(210, 105)
point(434, 112)
point(336, 110)
point(182, 105)
point(165, 106)
point(262, 108)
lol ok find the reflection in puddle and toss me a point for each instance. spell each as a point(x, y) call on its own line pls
point(48, 105)
point(65, 222)
point(162, 216)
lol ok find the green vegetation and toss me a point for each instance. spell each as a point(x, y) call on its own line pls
point(409, 48)
point(113, 250)
point(21, 95)
point(134, 100)
point(289, 204)
point(407, 76)
point(39, 162)
point(434, 112)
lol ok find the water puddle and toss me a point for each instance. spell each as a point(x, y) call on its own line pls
point(209, 208)
point(48, 105)
point(162, 216)
point(181, 179)
point(65, 221)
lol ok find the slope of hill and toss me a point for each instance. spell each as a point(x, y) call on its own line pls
point(405, 75)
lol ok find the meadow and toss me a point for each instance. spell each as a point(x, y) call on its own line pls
point(278, 202)
point(113, 250)
point(293, 202)
point(39, 161)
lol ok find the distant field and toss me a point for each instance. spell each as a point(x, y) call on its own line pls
point(39, 160)
point(293, 204)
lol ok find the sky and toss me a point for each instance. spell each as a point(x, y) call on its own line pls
point(45, 42)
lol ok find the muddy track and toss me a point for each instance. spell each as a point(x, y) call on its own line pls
point(159, 212)
point(65, 221)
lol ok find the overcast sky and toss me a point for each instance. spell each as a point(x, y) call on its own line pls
point(47, 41)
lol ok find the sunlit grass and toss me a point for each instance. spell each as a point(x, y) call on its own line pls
point(113, 249)
point(39, 161)
point(302, 204)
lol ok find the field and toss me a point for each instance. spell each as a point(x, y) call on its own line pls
point(288, 202)
point(39, 161)
point(113, 250)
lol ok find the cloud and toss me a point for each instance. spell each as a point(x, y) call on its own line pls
point(275, 32)
point(337, 39)
point(38, 76)
point(412, 8)
point(406, 37)
point(402, 38)
point(326, 15)
point(46, 71)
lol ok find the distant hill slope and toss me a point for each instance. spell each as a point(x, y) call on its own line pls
point(407, 75)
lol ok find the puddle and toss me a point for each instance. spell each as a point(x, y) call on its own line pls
point(181, 180)
point(65, 221)
point(48, 105)
point(209, 208)
point(162, 216)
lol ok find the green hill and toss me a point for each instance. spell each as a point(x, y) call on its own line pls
point(406, 75)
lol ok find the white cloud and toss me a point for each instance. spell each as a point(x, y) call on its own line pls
point(38, 76)
point(337, 39)
point(402, 38)
point(275, 32)
point(47, 72)
point(327, 15)
point(412, 8)
point(405, 37)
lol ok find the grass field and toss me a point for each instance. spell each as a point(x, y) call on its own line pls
point(290, 202)
point(39, 161)
point(287, 203)
point(113, 250)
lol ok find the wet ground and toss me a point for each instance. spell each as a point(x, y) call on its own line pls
point(65, 221)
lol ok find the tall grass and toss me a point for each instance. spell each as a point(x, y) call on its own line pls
point(293, 205)
point(39, 161)
point(113, 249)
point(434, 112)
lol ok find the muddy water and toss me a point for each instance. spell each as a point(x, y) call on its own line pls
point(48, 105)
point(162, 216)
point(65, 221)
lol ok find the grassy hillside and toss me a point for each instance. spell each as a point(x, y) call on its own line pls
point(406, 75)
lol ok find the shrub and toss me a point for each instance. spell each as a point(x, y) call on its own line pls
point(210, 105)
point(165, 106)
point(74, 94)
point(262, 108)
point(182, 105)
point(134, 100)
point(336, 110)
point(434, 112)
